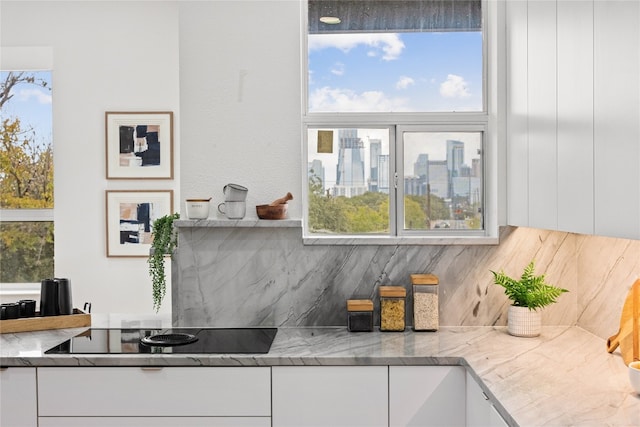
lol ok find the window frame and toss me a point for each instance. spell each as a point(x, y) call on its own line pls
point(486, 120)
point(35, 58)
point(437, 128)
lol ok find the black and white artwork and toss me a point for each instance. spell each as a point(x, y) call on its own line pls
point(139, 145)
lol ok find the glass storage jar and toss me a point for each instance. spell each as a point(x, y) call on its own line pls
point(392, 308)
point(425, 302)
point(359, 315)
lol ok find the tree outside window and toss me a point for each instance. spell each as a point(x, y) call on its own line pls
point(26, 177)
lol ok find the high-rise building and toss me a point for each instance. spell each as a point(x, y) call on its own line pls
point(375, 148)
point(350, 179)
point(421, 166)
point(383, 173)
point(439, 178)
point(455, 156)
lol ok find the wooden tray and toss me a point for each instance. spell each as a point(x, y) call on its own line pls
point(41, 323)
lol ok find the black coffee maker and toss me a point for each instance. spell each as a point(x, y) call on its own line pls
point(55, 297)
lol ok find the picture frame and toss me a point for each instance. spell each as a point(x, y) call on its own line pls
point(129, 217)
point(139, 145)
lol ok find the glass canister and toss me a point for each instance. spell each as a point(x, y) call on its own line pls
point(425, 302)
point(359, 315)
point(392, 308)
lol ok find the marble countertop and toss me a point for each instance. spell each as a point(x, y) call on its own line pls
point(564, 377)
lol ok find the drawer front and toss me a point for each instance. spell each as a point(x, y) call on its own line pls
point(172, 391)
point(155, 422)
point(335, 396)
point(18, 406)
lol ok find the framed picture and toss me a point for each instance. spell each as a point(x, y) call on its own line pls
point(130, 215)
point(139, 145)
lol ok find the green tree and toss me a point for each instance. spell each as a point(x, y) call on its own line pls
point(26, 182)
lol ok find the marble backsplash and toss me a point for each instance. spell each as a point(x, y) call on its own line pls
point(254, 276)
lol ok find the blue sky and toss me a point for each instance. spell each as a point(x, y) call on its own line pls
point(395, 71)
point(32, 104)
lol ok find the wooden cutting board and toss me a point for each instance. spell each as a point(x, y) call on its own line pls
point(628, 337)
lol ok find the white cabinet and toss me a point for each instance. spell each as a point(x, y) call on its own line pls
point(155, 392)
point(573, 108)
point(617, 118)
point(480, 410)
point(18, 405)
point(330, 396)
point(426, 396)
point(155, 422)
point(575, 116)
point(279, 396)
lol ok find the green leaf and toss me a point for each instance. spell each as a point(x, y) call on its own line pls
point(530, 291)
point(164, 242)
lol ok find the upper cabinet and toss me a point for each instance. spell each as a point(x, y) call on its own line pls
point(573, 121)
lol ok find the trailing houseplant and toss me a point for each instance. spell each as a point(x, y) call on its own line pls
point(164, 241)
point(528, 293)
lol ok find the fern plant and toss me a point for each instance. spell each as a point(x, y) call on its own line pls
point(530, 291)
point(164, 241)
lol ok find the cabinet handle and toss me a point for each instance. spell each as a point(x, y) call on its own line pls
point(485, 396)
point(151, 368)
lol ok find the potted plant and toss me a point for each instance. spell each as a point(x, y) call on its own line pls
point(528, 294)
point(164, 241)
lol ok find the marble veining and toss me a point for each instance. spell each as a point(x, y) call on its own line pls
point(267, 276)
point(565, 377)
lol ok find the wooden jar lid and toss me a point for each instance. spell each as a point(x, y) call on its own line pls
point(424, 279)
point(393, 291)
point(359, 305)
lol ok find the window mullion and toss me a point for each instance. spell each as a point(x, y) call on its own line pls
point(26, 215)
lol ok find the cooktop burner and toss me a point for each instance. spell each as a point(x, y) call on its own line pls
point(174, 340)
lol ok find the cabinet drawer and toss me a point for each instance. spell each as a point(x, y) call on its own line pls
point(336, 396)
point(18, 406)
point(426, 396)
point(155, 422)
point(180, 391)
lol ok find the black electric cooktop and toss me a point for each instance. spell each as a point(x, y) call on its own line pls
point(169, 341)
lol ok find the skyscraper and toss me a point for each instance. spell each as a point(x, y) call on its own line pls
point(350, 168)
point(375, 148)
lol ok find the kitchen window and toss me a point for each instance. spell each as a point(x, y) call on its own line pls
point(396, 123)
point(26, 180)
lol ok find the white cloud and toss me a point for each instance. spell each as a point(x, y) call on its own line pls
point(40, 96)
point(338, 69)
point(344, 100)
point(454, 87)
point(404, 82)
point(389, 45)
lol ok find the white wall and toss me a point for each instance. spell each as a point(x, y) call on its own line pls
point(107, 56)
point(230, 72)
point(240, 100)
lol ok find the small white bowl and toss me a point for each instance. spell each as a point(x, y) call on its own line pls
point(198, 208)
point(634, 375)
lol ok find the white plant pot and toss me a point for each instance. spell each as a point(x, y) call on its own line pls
point(522, 322)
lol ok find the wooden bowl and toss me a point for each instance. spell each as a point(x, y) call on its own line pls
point(272, 212)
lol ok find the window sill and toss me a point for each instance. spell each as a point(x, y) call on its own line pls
point(12, 292)
point(416, 241)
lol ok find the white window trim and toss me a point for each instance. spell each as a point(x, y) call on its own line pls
point(493, 118)
point(26, 215)
point(29, 58)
